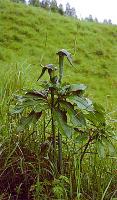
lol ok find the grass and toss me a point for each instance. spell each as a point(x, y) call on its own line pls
point(28, 37)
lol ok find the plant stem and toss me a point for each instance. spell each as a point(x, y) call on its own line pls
point(60, 68)
point(44, 128)
point(86, 146)
point(60, 164)
point(53, 126)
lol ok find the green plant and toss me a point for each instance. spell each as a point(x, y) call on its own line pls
point(60, 187)
point(74, 114)
point(64, 109)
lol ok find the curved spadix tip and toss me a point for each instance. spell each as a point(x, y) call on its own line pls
point(63, 52)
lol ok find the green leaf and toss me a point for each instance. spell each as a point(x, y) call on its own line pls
point(40, 107)
point(81, 138)
point(99, 108)
point(82, 103)
point(76, 118)
point(100, 149)
point(96, 118)
point(26, 100)
point(77, 87)
point(111, 149)
point(58, 191)
point(64, 178)
point(32, 99)
point(109, 145)
point(62, 125)
point(29, 102)
point(17, 109)
point(64, 90)
point(38, 94)
point(20, 98)
point(33, 117)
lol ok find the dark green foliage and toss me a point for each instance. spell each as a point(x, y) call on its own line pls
point(60, 9)
point(34, 3)
point(45, 4)
point(70, 109)
point(90, 18)
point(18, 1)
point(53, 5)
point(96, 20)
point(107, 21)
point(70, 11)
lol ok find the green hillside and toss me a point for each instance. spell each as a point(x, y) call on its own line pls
point(30, 36)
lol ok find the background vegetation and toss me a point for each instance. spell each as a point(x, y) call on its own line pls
point(29, 37)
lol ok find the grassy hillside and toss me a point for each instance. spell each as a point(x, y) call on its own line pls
point(30, 36)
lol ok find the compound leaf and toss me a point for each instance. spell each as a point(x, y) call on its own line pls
point(62, 125)
point(82, 103)
point(76, 118)
point(33, 117)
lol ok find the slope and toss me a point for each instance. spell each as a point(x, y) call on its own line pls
point(30, 36)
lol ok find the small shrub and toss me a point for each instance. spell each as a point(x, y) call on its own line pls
point(68, 117)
